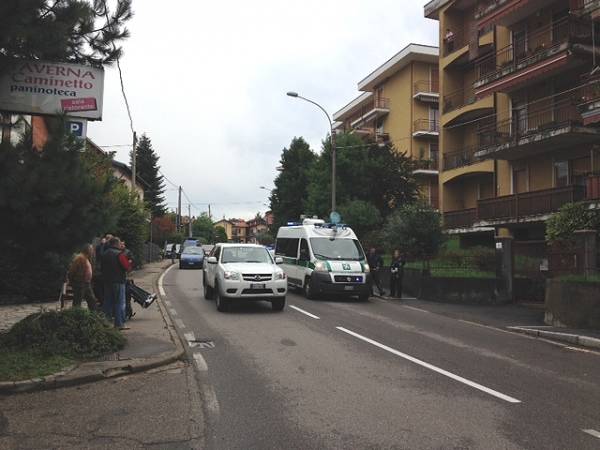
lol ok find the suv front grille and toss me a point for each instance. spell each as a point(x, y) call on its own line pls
point(348, 278)
point(257, 277)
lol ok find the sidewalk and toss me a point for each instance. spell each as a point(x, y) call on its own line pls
point(519, 318)
point(151, 341)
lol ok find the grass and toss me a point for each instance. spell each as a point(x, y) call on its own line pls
point(18, 365)
point(44, 343)
point(591, 279)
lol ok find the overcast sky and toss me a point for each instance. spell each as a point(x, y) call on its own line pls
point(206, 82)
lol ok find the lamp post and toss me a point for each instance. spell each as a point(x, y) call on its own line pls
point(333, 150)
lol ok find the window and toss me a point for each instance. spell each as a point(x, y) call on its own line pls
point(287, 247)
point(304, 252)
point(348, 249)
point(561, 173)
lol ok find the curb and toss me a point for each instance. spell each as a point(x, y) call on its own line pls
point(62, 379)
point(575, 339)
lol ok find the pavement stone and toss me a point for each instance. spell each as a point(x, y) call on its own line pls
point(11, 314)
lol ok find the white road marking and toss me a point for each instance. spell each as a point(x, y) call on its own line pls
point(179, 323)
point(210, 399)
point(432, 367)
point(417, 309)
point(200, 362)
point(591, 432)
point(172, 311)
point(304, 312)
point(161, 289)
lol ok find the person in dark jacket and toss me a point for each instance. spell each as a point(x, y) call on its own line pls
point(97, 283)
point(115, 266)
point(397, 274)
point(376, 264)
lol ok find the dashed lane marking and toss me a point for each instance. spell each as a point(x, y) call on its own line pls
point(591, 432)
point(200, 362)
point(179, 323)
point(306, 313)
point(432, 367)
point(417, 309)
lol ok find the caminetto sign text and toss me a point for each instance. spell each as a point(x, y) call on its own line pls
point(42, 87)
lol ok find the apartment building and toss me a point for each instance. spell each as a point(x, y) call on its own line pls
point(236, 229)
point(399, 103)
point(519, 132)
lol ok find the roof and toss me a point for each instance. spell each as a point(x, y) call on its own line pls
point(233, 244)
point(340, 115)
point(127, 170)
point(410, 53)
point(432, 8)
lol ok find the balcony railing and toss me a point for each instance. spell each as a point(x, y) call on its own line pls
point(593, 187)
point(519, 206)
point(459, 98)
point(512, 130)
point(584, 6)
point(486, 7)
point(426, 164)
point(426, 87)
point(455, 41)
point(381, 103)
point(461, 158)
point(460, 219)
point(548, 41)
point(426, 126)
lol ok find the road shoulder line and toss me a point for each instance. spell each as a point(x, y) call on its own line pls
point(306, 313)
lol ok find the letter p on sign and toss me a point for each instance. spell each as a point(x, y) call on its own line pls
point(77, 128)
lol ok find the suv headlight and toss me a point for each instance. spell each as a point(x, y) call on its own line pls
point(280, 275)
point(231, 275)
point(321, 266)
point(366, 268)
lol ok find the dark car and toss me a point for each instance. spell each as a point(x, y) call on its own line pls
point(191, 257)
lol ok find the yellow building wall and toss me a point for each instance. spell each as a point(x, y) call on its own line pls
point(397, 123)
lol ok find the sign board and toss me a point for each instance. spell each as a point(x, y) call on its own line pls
point(77, 127)
point(50, 88)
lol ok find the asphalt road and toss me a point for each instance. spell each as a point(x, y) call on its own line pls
point(379, 375)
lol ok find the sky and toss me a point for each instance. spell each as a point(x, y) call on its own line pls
point(206, 82)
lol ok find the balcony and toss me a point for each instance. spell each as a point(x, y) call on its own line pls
point(588, 102)
point(426, 91)
point(542, 131)
point(527, 206)
point(426, 166)
point(426, 128)
point(585, 7)
point(459, 98)
point(464, 218)
point(506, 12)
point(379, 108)
point(592, 187)
point(556, 50)
point(461, 158)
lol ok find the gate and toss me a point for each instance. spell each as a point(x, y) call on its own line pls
point(531, 270)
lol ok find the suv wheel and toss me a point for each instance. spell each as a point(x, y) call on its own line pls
point(278, 304)
point(208, 292)
point(221, 302)
point(308, 289)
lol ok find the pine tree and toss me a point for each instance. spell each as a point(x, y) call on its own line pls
point(80, 31)
point(148, 172)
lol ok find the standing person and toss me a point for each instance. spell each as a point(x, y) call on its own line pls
point(115, 266)
point(376, 264)
point(173, 253)
point(97, 282)
point(397, 274)
point(128, 313)
point(80, 278)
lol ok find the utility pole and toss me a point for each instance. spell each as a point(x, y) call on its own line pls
point(189, 220)
point(179, 211)
point(133, 163)
point(209, 213)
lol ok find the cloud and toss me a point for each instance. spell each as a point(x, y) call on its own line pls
point(207, 81)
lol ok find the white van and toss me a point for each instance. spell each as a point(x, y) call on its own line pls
point(321, 258)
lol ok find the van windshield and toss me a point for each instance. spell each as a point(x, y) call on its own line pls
point(348, 249)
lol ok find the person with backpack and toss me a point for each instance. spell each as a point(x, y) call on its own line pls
point(115, 265)
point(80, 277)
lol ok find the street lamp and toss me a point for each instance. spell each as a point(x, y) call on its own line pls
point(332, 137)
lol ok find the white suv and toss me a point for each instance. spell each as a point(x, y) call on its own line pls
point(245, 272)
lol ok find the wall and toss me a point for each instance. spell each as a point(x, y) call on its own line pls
point(575, 305)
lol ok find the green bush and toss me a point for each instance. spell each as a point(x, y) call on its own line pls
point(74, 333)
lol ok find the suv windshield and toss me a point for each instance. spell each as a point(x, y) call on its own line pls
point(348, 249)
point(246, 255)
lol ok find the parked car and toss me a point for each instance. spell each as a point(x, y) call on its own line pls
point(243, 272)
point(191, 257)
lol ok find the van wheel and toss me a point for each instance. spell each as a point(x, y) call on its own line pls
point(308, 289)
point(208, 292)
point(222, 303)
point(278, 304)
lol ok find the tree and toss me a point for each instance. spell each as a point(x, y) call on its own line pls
point(148, 171)
point(202, 227)
point(220, 235)
point(132, 220)
point(376, 174)
point(289, 196)
point(570, 218)
point(51, 203)
point(416, 230)
point(363, 217)
point(265, 238)
point(79, 31)
point(163, 228)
